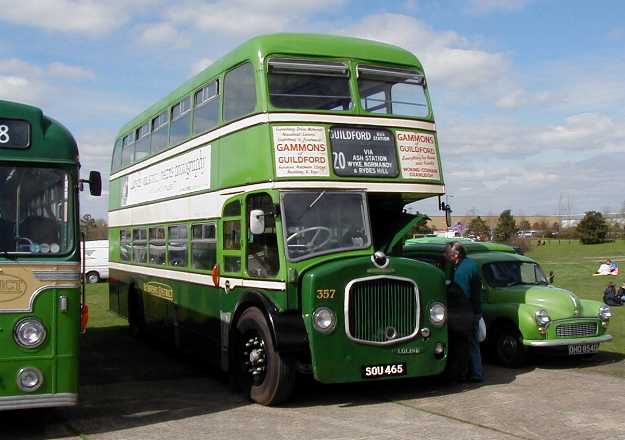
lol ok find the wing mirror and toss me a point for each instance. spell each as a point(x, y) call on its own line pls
point(95, 183)
point(445, 207)
point(257, 221)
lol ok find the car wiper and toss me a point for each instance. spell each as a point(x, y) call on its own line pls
point(514, 283)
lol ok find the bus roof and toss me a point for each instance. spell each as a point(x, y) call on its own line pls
point(296, 44)
point(50, 141)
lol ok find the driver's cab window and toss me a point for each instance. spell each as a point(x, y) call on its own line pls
point(231, 231)
point(262, 245)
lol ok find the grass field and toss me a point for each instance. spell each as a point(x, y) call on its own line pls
point(98, 301)
point(574, 263)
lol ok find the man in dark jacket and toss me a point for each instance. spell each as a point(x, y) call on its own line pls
point(610, 296)
point(466, 276)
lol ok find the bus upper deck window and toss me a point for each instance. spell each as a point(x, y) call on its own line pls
point(206, 112)
point(392, 91)
point(160, 132)
point(306, 84)
point(180, 121)
point(128, 149)
point(239, 92)
point(142, 145)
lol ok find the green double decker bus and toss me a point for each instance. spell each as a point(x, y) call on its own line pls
point(40, 297)
point(256, 214)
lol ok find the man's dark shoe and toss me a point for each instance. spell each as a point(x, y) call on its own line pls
point(475, 379)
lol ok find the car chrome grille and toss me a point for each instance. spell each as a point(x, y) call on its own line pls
point(382, 310)
point(577, 329)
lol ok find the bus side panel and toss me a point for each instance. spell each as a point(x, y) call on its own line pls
point(57, 358)
point(114, 282)
point(250, 144)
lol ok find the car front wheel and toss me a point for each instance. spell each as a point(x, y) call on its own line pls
point(509, 347)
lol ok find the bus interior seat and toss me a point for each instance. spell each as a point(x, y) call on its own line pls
point(40, 229)
point(7, 235)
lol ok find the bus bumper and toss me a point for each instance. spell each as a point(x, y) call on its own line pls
point(38, 401)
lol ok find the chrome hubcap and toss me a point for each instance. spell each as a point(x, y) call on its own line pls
point(255, 359)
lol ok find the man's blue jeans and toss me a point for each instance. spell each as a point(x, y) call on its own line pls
point(475, 357)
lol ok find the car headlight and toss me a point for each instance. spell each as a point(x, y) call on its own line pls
point(605, 313)
point(324, 320)
point(542, 318)
point(438, 314)
point(29, 332)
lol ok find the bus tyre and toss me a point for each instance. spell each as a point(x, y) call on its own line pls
point(268, 375)
point(93, 277)
point(136, 318)
point(509, 347)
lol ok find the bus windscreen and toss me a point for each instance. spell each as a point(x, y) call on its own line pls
point(34, 211)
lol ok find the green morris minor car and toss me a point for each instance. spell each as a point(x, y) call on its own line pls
point(522, 310)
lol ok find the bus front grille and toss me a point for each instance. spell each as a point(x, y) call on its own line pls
point(382, 310)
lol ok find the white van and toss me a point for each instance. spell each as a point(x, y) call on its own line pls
point(96, 260)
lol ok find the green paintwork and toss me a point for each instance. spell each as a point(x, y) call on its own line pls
point(50, 141)
point(228, 170)
point(246, 157)
point(257, 49)
point(58, 357)
point(516, 305)
point(337, 358)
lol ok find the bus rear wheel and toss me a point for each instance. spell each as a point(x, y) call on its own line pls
point(268, 375)
point(136, 317)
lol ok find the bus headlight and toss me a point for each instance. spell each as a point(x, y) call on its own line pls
point(29, 379)
point(605, 313)
point(438, 314)
point(324, 320)
point(542, 318)
point(29, 332)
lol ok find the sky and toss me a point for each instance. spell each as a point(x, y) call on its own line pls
point(528, 95)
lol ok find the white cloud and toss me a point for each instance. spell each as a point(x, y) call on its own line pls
point(81, 16)
point(162, 34)
point(69, 71)
point(487, 6)
point(449, 59)
point(15, 88)
point(246, 17)
point(200, 65)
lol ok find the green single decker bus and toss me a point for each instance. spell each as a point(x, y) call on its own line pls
point(40, 296)
point(256, 214)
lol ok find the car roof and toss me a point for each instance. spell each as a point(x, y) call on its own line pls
point(435, 243)
point(481, 252)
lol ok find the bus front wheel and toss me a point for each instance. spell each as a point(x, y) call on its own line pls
point(266, 374)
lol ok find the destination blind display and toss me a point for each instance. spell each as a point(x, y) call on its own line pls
point(363, 152)
point(14, 133)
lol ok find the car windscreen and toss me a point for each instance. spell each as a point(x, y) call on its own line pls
point(510, 273)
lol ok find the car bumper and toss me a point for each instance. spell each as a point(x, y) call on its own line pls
point(38, 401)
point(564, 342)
